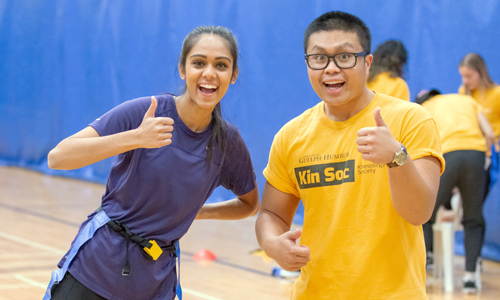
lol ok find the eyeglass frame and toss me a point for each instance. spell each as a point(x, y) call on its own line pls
point(356, 55)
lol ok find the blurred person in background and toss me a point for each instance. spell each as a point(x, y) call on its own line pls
point(465, 137)
point(386, 71)
point(476, 82)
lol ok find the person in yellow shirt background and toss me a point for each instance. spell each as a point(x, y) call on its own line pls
point(386, 71)
point(465, 137)
point(476, 82)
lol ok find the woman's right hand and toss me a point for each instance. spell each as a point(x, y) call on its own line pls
point(87, 146)
point(154, 132)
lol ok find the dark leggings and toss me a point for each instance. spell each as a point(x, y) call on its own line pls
point(72, 289)
point(465, 170)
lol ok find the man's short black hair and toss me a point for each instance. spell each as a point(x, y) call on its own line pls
point(339, 20)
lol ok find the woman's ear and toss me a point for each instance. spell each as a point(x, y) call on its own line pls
point(235, 76)
point(182, 72)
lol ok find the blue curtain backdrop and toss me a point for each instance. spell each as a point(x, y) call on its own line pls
point(64, 63)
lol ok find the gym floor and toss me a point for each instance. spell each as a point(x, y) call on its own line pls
point(41, 214)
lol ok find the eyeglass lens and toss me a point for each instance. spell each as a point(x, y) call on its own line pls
point(342, 60)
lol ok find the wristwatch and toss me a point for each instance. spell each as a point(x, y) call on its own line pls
point(399, 158)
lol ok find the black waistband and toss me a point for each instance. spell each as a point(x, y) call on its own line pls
point(130, 236)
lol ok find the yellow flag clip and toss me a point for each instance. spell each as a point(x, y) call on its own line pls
point(154, 251)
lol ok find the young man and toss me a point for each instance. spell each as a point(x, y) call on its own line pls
point(365, 194)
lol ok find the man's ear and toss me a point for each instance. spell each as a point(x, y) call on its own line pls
point(235, 76)
point(182, 72)
point(368, 60)
point(368, 63)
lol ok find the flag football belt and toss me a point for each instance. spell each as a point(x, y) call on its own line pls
point(149, 248)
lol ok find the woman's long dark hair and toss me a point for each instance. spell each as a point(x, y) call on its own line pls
point(390, 56)
point(219, 131)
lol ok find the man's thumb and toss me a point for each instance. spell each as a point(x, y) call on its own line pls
point(378, 118)
point(294, 235)
point(152, 108)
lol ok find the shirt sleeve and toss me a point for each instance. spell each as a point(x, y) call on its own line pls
point(126, 116)
point(276, 172)
point(237, 173)
point(422, 138)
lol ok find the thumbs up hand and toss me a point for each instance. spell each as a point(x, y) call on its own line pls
point(376, 144)
point(150, 113)
point(285, 251)
point(154, 132)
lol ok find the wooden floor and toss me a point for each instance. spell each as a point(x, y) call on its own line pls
point(40, 216)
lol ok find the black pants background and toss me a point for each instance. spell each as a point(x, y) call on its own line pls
point(465, 170)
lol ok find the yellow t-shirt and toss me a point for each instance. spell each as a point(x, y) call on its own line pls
point(490, 101)
point(456, 118)
point(361, 248)
point(395, 87)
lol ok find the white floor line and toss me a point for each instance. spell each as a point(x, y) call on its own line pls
point(61, 252)
point(187, 291)
point(22, 255)
point(14, 286)
point(27, 273)
point(30, 281)
point(31, 243)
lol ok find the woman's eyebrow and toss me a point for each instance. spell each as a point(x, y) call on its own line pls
point(204, 56)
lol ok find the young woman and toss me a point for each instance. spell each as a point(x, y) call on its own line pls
point(476, 82)
point(465, 136)
point(386, 71)
point(171, 153)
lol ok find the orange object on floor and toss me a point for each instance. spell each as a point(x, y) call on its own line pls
point(204, 254)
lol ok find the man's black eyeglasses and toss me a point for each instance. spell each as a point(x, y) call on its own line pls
point(344, 60)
